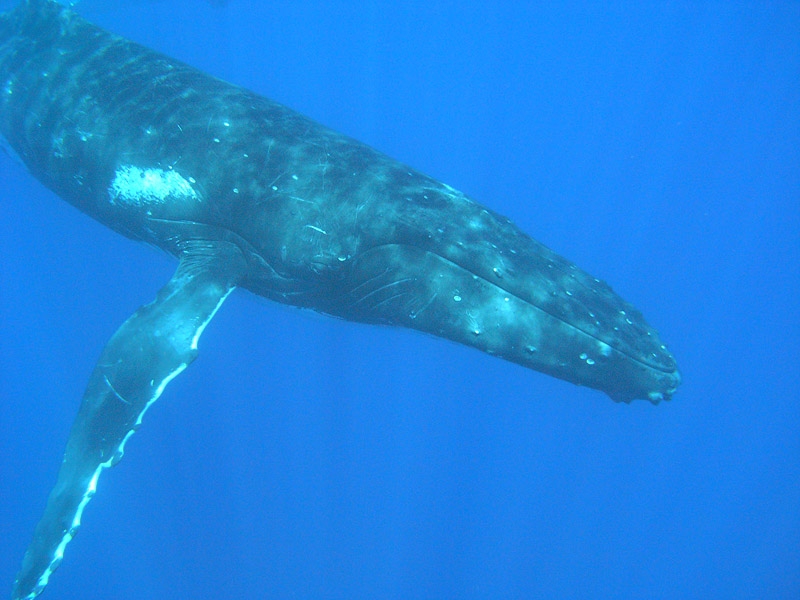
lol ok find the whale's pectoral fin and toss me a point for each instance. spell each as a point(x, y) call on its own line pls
point(144, 355)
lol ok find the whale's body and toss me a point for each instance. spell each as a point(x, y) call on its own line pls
point(248, 193)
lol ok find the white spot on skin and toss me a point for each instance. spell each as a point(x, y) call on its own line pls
point(605, 349)
point(135, 186)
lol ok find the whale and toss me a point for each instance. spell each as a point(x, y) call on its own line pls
point(247, 193)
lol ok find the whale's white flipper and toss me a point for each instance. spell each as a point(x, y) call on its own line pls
point(151, 348)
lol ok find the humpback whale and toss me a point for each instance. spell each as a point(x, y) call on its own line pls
point(247, 193)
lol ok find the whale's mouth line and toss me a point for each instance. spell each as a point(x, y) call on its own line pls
point(493, 283)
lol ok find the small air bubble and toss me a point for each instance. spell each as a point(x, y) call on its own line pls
point(457, 298)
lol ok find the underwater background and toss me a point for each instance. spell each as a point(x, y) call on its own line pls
point(657, 145)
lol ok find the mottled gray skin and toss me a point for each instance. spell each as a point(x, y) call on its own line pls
point(273, 202)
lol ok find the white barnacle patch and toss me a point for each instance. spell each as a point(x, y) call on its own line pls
point(135, 186)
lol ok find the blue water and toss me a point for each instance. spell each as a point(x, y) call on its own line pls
point(300, 457)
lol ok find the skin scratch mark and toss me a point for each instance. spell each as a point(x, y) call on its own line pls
point(113, 389)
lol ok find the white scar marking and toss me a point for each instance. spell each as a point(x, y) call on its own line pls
point(139, 187)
